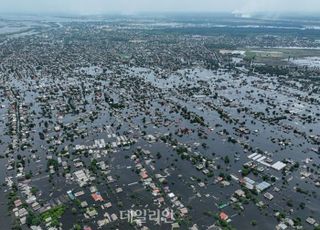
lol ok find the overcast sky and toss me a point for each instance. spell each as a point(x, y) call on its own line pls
point(132, 6)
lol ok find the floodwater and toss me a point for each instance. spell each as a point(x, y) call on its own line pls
point(313, 62)
point(179, 172)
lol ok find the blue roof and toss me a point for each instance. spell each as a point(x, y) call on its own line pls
point(248, 180)
point(263, 185)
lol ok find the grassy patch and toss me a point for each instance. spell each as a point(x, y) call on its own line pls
point(55, 214)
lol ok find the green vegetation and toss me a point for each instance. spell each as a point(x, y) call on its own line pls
point(33, 219)
point(117, 106)
point(54, 163)
point(181, 149)
point(253, 222)
point(55, 214)
point(300, 190)
point(245, 171)
point(226, 160)
point(93, 166)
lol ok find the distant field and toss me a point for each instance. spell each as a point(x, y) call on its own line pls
point(279, 55)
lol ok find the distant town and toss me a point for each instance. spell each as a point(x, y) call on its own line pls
point(167, 121)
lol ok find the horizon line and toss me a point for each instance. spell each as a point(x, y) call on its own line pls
point(303, 13)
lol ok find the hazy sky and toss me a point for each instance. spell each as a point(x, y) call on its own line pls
point(131, 6)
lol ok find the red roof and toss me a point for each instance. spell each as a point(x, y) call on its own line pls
point(223, 216)
point(97, 197)
point(144, 175)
